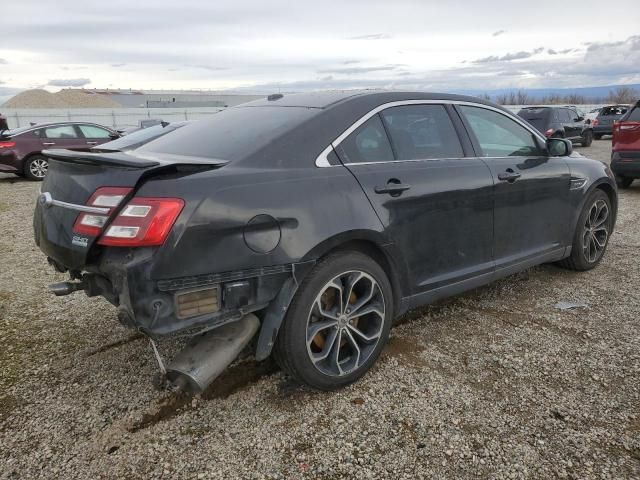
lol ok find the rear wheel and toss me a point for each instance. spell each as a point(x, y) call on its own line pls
point(591, 237)
point(587, 138)
point(36, 167)
point(597, 136)
point(338, 322)
point(623, 182)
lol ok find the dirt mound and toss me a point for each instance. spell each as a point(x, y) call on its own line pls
point(68, 98)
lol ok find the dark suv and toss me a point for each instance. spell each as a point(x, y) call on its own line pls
point(559, 122)
point(603, 123)
point(21, 149)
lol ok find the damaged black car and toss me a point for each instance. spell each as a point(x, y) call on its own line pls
point(309, 222)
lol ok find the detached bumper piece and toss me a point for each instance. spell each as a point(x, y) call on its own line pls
point(206, 356)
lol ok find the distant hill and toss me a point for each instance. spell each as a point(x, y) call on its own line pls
point(68, 98)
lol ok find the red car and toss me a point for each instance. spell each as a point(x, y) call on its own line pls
point(21, 148)
point(625, 151)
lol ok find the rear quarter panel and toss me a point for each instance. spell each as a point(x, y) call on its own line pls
point(226, 207)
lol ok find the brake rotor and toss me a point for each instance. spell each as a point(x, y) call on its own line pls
point(328, 300)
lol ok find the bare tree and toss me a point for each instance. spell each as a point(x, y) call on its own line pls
point(623, 95)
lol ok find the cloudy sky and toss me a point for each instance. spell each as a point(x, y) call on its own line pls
point(295, 45)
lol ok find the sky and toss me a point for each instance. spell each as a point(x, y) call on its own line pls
point(257, 46)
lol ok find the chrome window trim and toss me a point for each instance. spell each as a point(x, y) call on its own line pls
point(46, 200)
point(322, 160)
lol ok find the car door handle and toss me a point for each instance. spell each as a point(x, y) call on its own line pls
point(393, 189)
point(509, 176)
point(48, 143)
point(92, 143)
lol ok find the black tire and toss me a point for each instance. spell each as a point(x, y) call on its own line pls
point(587, 138)
point(35, 168)
point(623, 182)
point(597, 136)
point(579, 259)
point(294, 346)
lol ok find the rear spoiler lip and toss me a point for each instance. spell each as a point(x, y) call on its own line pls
point(126, 160)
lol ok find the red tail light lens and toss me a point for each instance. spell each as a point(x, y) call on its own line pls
point(106, 197)
point(548, 133)
point(596, 122)
point(7, 144)
point(143, 222)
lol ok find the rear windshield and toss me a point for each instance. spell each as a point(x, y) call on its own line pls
point(138, 138)
point(614, 110)
point(232, 133)
point(537, 117)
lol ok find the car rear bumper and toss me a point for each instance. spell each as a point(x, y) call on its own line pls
point(626, 163)
point(603, 129)
point(9, 163)
point(184, 305)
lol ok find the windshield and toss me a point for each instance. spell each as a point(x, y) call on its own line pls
point(140, 137)
point(233, 133)
point(537, 117)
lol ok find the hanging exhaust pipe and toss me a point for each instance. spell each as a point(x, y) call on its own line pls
point(205, 357)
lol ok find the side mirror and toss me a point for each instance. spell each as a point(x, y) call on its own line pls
point(114, 136)
point(579, 119)
point(559, 147)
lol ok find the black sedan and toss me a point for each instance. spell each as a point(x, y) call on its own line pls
point(312, 221)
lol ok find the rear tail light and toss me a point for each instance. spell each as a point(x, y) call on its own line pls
point(596, 122)
point(106, 197)
point(143, 222)
point(549, 132)
point(7, 144)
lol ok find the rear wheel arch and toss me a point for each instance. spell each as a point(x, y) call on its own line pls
point(371, 244)
point(28, 157)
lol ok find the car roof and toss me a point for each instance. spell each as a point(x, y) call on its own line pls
point(328, 99)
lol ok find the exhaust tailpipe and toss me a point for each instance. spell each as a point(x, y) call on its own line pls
point(206, 356)
point(65, 288)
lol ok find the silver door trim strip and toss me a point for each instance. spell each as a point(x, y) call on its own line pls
point(322, 160)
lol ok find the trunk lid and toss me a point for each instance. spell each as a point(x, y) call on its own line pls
point(71, 180)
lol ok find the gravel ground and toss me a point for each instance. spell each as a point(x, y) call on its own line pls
point(496, 383)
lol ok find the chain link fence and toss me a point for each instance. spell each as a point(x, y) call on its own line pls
point(115, 118)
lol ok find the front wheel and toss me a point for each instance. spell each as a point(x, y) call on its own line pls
point(36, 167)
point(592, 233)
point(338, 322)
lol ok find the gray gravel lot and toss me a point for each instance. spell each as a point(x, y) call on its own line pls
point(496, 383)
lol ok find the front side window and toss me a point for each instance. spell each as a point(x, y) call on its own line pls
point(368, 143)
point(422, 132)
point(90, 131)
point(498, 135)
point(63, 131)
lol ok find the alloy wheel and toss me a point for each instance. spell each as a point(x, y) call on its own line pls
point(345, 323)
point(596, 231)
point(39, 167)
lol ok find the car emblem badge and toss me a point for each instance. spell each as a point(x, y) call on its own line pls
point(45, 199)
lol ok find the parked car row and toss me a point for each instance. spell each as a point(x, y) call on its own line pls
point(21, 149)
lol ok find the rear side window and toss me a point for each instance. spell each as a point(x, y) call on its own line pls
point(613, 110)
point(63, 131)
point(498, 135)
point(90, 131)
point(368, 143)
point(421, 132)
